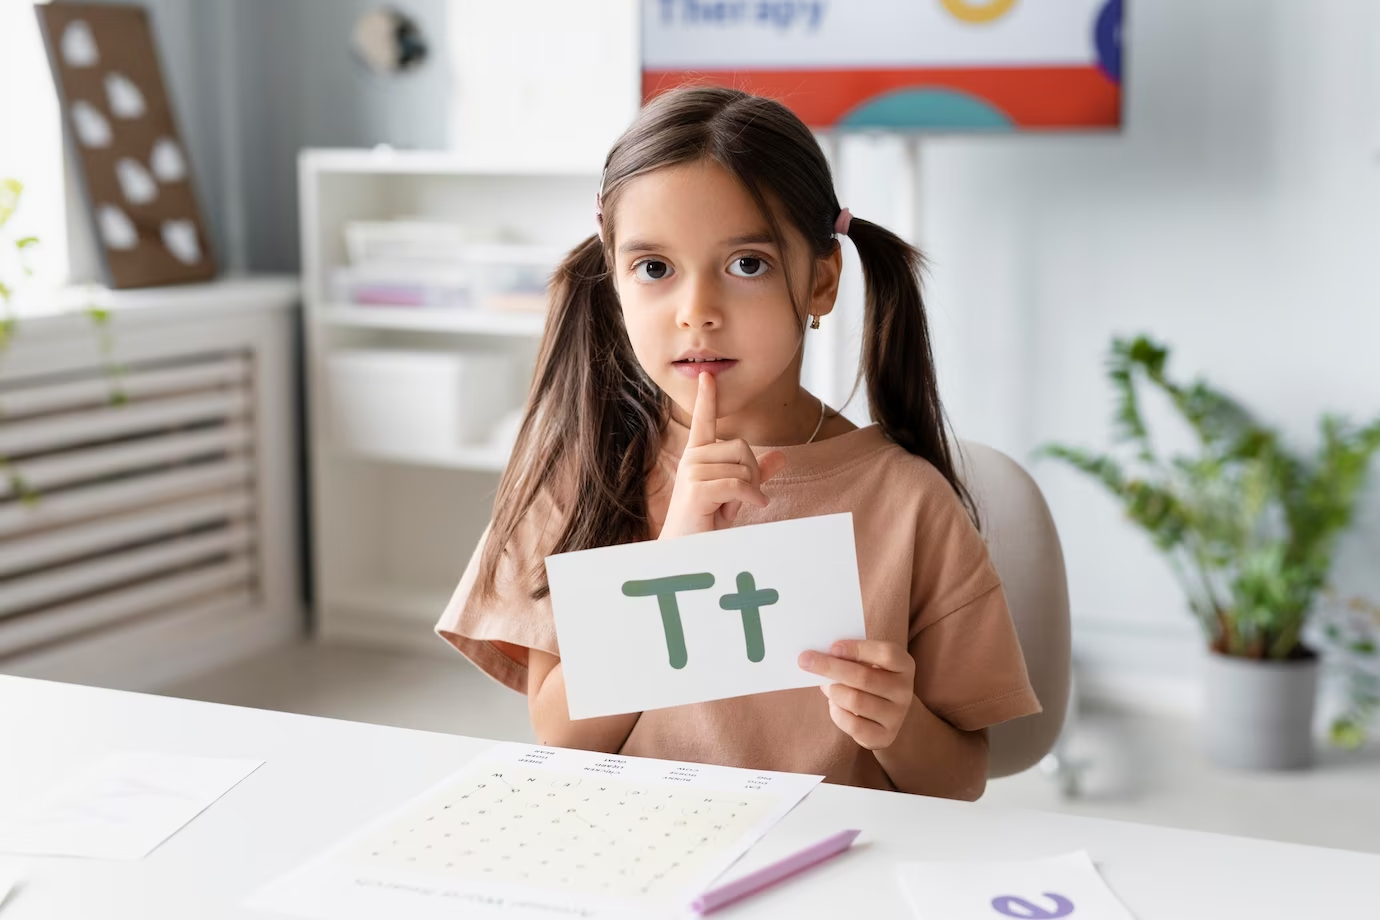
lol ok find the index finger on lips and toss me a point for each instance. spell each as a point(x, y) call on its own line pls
point(702, 420)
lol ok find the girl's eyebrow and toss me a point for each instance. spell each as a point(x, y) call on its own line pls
point(748, 239)
point(756, 237)
point(640, 246)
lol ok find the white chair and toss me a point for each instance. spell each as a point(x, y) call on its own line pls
point(1024, 547)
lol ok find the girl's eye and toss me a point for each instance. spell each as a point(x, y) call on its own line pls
point(652, 270)
point(747, 267)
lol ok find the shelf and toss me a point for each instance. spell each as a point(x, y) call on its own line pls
point(482, 459)
point(457, 320)
point(386, 161)
point(67, 305)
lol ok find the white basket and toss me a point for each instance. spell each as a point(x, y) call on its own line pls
point(421, 404)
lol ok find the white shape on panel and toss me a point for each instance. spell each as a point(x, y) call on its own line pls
point(181, 239)
point(93, 130)
point(79, 45)
point(125, 99)
point(167, 161)
point(136, 183)
point(117, 230)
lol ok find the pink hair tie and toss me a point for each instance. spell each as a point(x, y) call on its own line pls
point(842, 223)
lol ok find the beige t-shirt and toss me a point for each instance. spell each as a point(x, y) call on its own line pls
point(926, 579)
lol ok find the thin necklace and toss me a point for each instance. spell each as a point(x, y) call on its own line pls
point(819, 424)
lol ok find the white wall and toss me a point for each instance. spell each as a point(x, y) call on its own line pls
point(1236, 218)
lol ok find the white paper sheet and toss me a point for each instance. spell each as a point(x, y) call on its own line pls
point(620, 653)
point(9, 877)
point(526, 831)
point(121, 807)
point(1036, 889)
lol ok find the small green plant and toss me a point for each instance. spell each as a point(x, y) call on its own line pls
point(22, 249)
point(10, 192)
point(1248, 525)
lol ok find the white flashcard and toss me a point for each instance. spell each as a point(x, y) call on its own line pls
point(1036, 889)
point(703, 617)
point(121, 807)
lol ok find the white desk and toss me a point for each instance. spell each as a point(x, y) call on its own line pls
point(323, 779)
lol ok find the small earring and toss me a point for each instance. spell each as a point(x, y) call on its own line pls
point(814, 321)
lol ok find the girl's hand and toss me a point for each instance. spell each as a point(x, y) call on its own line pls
point(874, 689)
point(715, 477)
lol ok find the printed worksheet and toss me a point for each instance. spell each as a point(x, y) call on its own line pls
point(546, 832)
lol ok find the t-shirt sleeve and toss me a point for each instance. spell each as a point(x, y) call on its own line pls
point(969, 669)
point(496, 632)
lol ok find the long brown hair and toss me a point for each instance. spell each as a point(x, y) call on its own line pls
point(594, 419)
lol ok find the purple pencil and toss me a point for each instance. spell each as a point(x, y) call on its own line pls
point(767, 876)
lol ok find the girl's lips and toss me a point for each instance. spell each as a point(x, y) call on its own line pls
point(693, 369)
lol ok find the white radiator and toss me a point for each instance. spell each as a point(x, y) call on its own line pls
point(125, 497)
point(147, 517)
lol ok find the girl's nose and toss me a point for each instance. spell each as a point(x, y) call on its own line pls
point(700, 308)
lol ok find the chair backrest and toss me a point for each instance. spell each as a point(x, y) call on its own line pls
point(1024, 547)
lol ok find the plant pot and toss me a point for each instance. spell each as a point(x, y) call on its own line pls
point(1258, 715)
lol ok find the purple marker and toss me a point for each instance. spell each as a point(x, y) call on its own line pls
point(767, 876)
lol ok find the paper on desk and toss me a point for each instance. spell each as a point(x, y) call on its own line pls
point(9, 877)
point(121, 807)
point(704, 617)
point(524, 831)
point(1035, 889)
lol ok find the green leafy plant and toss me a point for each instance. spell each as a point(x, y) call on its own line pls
point(1248, 525)
point(1350, 634)
point(23, 248)
point(10, 192)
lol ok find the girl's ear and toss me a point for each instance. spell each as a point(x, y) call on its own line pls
point(826, 286)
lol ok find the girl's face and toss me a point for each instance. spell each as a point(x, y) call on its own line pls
point(702, 288)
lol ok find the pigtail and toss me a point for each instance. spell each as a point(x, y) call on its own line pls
point(591, 427)
point(897, 360)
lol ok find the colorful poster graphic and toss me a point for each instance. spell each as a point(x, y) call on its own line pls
point(936, 65)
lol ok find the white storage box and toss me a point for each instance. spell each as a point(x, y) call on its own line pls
point(422, 404)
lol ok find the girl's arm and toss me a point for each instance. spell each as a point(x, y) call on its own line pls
point(931, 757)
point(874, 701)
point(551, 718)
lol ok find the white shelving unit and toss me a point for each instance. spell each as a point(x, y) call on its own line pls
point(392, 529)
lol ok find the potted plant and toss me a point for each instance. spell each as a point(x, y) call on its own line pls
point(1248, 526)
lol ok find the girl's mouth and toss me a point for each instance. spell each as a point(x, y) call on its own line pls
point(693, 367)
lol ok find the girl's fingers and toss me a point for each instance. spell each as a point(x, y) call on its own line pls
point(877, 681)
point(867, 733)
point(866, 705)
point(771, 464)
point(707, 472)
point(886, 655)
point(723, 491)
point(703, 419)
point(735, 451)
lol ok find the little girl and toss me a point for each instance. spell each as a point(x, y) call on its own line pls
point(667, 401)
